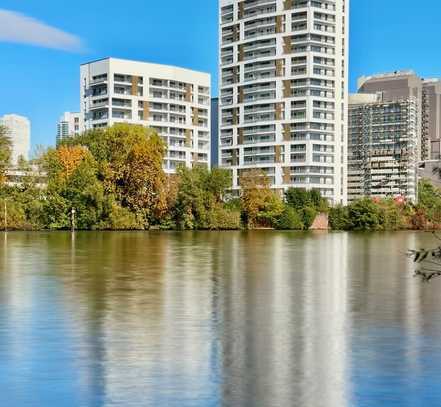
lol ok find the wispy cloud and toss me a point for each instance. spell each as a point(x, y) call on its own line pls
point(18, 28)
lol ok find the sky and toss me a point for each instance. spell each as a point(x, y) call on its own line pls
point(43, 43)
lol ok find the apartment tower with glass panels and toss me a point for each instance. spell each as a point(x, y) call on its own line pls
point(283, 92)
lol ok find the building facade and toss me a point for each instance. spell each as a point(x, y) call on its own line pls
point(214, 132)
point(69, 125)
point(19, 131)
point(283, 92)
point(383, 147)
point(404, 84)
point(173, 101)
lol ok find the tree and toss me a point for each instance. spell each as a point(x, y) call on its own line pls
point(289, 219)
point(260, 205)
point(199, 199)
point(364, 214)
point(5, 152)
point(72, 183)
point(339, 218)
point(300, 198)
point(129, 164)
point(429, 201)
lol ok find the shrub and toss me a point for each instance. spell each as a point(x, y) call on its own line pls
point(123, 219)
point(339, 218)
point(289, 220)
point(364, 215)
point(308, 215)
point(300, 198)
point(224, 219)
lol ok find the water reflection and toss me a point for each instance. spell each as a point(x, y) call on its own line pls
point(216, 319)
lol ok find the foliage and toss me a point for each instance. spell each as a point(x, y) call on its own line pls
point(308, 215)
point(300, 198)
point(129, 165)
point(391, 215)
point(364, 215)
point(122, 219)
point(289, 219)
point(429, 201)
point(221, 218)
point(260, 205)
point(199, 197)
point(339, 218)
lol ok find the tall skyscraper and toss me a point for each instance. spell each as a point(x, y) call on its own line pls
point(173, 101)
point(19, 131)
point(283, 92)
point(69, 125)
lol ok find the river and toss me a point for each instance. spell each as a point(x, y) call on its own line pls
point(196, 319)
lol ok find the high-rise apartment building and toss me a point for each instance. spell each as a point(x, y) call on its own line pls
point(283, 92)
point(214, 132)
point(404, 84)
point(69, 125)
point(173, 101)
point(383, 147)
point(19, 132)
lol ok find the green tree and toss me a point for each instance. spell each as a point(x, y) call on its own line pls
point(199, 199)
point(429, 201)
point(364, 214)
point(339, 218)
point(289, 219)
point(129, 164)
point(260, 205)
point(72, 183)
point(300, 198)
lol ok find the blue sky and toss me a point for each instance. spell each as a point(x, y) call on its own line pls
point(42, 82)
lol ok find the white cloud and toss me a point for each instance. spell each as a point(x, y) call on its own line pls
point(18, 28)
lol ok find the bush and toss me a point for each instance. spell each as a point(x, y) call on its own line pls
point(16, 217)
point(300, 198)
point(364, 215)
point(289, 220)
point(224, 219)
point(123, 219)
point(339, 218)
point(308, 215)
point(391, 216)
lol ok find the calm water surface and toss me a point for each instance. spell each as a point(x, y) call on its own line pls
point(261, 319)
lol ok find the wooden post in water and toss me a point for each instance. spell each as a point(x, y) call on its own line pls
point(6, 216)
point(73, 219)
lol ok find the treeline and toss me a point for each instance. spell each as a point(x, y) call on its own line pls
point(391, 214)
point(114, 180)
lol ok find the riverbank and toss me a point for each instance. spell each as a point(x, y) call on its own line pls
point(113, 179)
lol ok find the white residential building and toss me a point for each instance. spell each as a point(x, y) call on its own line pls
point(174, 101)
point(284, 91)
point(19, 131)
point(69, 125)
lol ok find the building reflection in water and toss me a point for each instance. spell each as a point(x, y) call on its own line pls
point(208, 319)
point(285, 322)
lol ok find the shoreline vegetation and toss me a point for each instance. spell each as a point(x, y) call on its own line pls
point(114, 180)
